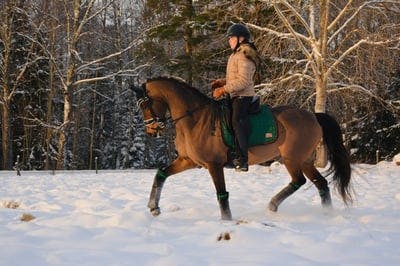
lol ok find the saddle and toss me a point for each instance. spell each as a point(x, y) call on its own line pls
point(262, 124)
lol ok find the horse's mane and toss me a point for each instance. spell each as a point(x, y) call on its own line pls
point(181, 84)
point(193, 94)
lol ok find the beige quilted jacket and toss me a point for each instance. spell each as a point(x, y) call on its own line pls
point(240, 71)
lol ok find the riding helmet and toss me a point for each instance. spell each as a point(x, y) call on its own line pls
point(238, 30)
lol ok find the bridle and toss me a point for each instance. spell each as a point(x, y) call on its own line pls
point(161, 121)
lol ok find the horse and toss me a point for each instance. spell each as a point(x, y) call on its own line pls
point(299, 133)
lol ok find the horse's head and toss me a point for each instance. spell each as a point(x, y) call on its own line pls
point(154, 111)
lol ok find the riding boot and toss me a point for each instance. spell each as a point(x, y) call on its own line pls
point(241, 127)
point(231, 155)
point(241, 161)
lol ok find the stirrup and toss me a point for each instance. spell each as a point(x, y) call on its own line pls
point(241, 167)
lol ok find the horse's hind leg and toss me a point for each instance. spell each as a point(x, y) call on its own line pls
point(179, 165)
point(298, 180)
point(319, 181)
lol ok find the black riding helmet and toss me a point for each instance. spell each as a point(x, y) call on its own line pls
point(239, 30)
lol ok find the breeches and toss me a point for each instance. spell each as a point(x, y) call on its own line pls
point(240, 122)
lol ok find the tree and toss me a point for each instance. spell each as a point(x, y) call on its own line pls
point(65, 95)
point(77, 70)
point(184, 40)
point(323, 32)
point(377, 135)
point(22, 71)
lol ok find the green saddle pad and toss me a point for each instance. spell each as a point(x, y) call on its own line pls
point(263, 129)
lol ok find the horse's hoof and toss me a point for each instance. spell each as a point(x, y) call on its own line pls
point(273, 207)
point(226, 216)
point(327, 206)
point(155, 211)
point(326, 202)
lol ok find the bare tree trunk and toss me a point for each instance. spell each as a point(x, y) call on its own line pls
point(320, 107)
point(73, 33)
point(321, 77)
point(75, 129)
point(6, 137)
point(50, 96)
point(92, 130)
point(188, 38)
point(62, 139)
point(118, 80)
point(6, 97)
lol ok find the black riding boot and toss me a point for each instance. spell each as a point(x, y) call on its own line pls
point(241, 160)
point(241, 127)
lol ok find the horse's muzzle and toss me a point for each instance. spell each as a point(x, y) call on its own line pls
point(155, 129)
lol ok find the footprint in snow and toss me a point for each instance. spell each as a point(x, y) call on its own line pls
point(224, 236)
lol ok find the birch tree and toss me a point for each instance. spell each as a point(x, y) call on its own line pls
point(77, 70)
point(50, 8)
point(324, 33)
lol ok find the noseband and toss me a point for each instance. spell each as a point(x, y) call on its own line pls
point(160, 121)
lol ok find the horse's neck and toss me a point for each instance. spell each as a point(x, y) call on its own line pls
point(181, 102)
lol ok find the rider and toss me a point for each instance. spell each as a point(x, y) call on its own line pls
point(239, 84)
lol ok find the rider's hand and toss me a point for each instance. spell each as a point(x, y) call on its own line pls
point(217, 83)
point(218, 92)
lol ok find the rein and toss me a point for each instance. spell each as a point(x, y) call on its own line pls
point(161, 121)
point(188, 113)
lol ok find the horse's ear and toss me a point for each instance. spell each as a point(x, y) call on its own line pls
point(139, 91)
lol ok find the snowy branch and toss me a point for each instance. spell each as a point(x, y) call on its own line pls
point(354, 47)
point(286, 79)
point(351, 18)
point(40, 122)
point(387, 104)
point(312, 20)
point(300, 18)
point(121, 72)
point(99, 60)
point(94, 15)
point(339, 87)
point(271, 31)
point(296, 36)
point(50, 56)
point(341, 14)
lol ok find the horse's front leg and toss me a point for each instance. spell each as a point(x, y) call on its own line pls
point(179, 165)
point(217, 174)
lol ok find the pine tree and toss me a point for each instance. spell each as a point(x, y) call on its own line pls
point(183, 40)
point(377, 135)
point(24, 74)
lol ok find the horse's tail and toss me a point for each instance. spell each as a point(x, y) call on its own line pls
point(337, 155)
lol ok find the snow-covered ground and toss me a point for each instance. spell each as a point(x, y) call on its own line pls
point(83, 218)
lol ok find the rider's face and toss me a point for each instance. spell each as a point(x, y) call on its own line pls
point(233, 41)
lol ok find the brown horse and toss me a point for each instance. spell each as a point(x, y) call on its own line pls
point(299, 133)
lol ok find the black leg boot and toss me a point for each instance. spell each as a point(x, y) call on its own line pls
point(281, 196)
point(223, 200)
point(325, 195)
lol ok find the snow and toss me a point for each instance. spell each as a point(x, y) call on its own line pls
point(83, 218)
point(396, 159)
